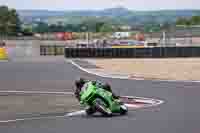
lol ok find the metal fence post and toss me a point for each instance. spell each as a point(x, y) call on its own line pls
point(55, 50)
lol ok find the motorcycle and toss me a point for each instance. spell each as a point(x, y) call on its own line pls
point(101, 100)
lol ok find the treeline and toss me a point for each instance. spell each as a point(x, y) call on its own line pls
point(9, 21)
point(42, 27)
point(195, 20)
point(10, 25)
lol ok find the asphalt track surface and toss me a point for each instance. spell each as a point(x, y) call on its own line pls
point(179, 114)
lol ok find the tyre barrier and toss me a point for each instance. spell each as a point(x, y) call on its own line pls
point(148, 52)
point(52, 50)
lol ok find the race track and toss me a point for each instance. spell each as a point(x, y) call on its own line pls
point(179, 113)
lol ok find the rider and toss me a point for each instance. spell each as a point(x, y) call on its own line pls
point(80, 83)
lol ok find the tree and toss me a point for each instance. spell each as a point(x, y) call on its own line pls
point(27, 31)
point(41, 27)
point(99, 26)
point(69, 28)
point(182, 21)
point(195, 20)
point(107, 28)
point(9, 21)
point(90, 24)
point(52, 28)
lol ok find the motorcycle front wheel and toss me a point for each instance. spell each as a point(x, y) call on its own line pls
point(101, 107)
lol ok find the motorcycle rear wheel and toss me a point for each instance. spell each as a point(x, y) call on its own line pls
point(123, 110)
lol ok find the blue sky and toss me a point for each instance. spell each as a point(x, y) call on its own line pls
point(101, 4)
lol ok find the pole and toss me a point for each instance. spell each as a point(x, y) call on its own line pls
point(164, 38)
point(87, 39)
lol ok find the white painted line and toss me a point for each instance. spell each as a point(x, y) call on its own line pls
point(38, 92)
point(147, 100)
point(139, 99)
point(133, 106)
point(81, 112)
point(185, 81)
point(100, 75)
point(76, 113)
point(33, 118)
point(125, 77)
point(181, 81)
point(3, 60)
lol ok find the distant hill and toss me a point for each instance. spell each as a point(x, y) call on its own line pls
point(116, 15)
point(39, 13)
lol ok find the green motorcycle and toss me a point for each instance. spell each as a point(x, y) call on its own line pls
point(101, 100)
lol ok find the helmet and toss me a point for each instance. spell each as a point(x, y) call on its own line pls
point(79, 83)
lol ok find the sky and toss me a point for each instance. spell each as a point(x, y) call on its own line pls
point(101, 4)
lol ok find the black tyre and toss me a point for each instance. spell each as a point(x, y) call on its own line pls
point(123, 110)
point(91, 111)
point(101, 107)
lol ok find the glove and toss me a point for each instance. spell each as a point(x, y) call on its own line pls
point(119, 101)
point(115, 96)
point(81, 102)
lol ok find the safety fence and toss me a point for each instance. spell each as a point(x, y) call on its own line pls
point(150, 52)
point(156, 52)
point(52, 50)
